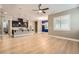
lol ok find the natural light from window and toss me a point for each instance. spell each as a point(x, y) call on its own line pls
point(62, 23)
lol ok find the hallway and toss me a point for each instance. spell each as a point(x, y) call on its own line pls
point(37, 44)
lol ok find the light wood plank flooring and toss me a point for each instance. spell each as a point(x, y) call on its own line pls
point(37, 44)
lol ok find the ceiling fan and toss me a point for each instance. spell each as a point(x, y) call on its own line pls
point(41, 10)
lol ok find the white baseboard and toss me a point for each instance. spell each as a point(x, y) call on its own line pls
point(76, 40)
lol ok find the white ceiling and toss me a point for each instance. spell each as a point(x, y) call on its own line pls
point(26, 9)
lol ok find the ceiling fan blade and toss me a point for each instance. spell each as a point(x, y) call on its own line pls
point(35, 10)
point(39, 6)
point(45, 9)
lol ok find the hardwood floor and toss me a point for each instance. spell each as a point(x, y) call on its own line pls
point(37, 44)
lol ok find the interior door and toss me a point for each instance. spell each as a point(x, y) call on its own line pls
point(36, 26)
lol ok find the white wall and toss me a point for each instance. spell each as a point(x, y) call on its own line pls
point(39, 26)
point(31, 24)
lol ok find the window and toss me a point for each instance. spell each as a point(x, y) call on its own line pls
point(62, 23)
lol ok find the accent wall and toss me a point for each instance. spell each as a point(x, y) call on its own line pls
point(45, 26)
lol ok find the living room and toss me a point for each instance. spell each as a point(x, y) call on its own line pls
point(39, 28)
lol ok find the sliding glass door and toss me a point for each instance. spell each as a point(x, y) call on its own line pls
point(3, 24)
point(1, 27)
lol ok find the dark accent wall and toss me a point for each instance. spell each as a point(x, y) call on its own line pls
point(74, 33)
point(43, 26)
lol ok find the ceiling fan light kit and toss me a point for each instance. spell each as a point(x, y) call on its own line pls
point(40, 11)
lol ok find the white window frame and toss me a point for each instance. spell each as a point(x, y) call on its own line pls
point(62, 20)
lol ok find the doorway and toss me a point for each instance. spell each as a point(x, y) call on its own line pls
point(5, 26)
point(36, 26)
